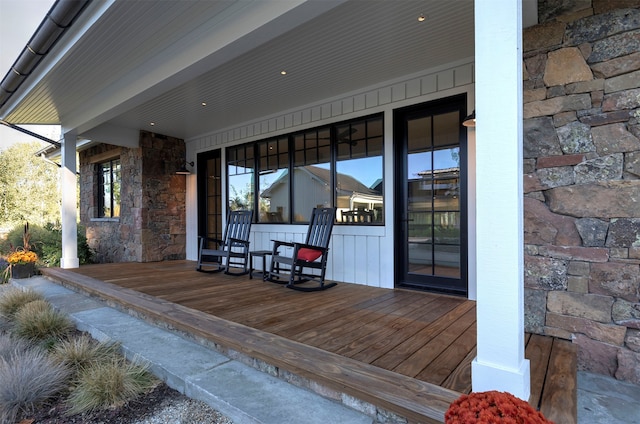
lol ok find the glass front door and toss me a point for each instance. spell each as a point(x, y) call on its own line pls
point(431, 180)
point(210, 194)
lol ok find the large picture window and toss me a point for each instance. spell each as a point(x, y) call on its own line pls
point(108, 189)
point(359, 171)
point(273, 180)
point(240, 166)
point(311, 172)
point(338, 165)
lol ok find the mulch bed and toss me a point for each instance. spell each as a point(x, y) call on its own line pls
point(54, 412)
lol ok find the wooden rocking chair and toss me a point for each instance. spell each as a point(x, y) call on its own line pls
point(309, 259)
point(232, 250)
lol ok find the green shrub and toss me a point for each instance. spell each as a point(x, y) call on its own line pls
point(81, 352)
point(38, 324)
point(108, 384)
point(28, 378)
point(13, 299)
point(47, 243)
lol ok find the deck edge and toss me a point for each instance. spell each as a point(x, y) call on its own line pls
point(410, 392)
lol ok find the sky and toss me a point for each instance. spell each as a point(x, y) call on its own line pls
point(19, 19)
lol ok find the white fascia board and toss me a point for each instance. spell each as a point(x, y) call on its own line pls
point(204, 49)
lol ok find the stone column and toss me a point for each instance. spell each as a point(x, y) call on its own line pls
point(69, 200)
point(500, 363)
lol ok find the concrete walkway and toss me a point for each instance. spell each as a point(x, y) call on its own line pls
point(247, 395)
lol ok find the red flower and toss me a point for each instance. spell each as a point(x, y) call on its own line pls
point(492, 407)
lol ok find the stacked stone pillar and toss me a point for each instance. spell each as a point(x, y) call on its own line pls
point(152, 222)
point(582, 180)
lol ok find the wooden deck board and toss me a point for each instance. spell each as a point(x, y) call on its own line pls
point(406, 351)
point(438, 370)
point(418, 360)
point(416, 341)
point(559, 401)
point(538, 349)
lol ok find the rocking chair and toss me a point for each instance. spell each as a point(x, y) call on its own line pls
point(309, 259)
point(232, 250)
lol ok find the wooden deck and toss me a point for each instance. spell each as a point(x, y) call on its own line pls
point(403, 351)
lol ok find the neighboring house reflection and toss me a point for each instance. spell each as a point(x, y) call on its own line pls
point(355, 201)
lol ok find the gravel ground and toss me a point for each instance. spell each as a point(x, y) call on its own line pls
point(183, 410)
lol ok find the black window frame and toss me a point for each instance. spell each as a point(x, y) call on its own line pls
point(114, 183)
point(333, 134)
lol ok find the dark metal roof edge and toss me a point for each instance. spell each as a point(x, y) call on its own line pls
point(31, 133)
point(59, 18)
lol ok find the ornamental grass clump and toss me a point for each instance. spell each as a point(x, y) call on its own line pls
point(11, 345)
point(109, 384)
point(38, 322)
point(82, 352)
point(492, 407)
point(28, 379)
point(13, 299)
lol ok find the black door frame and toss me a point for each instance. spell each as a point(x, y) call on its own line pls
point(202, 193)
point(402, 277)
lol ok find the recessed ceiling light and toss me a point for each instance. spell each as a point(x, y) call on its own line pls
point(283, 72)
point(203, 103)
point(422, 18)
point(152, 123)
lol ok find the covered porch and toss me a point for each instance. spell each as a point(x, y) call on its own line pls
point(402, 352)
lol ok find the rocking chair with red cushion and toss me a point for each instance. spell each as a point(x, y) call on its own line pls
point(308, 263)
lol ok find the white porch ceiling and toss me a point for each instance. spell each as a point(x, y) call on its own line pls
point(142, 62)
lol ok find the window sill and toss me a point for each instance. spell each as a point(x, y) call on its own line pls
point(104, 220)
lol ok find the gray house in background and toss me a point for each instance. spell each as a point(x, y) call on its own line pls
point(351, 194)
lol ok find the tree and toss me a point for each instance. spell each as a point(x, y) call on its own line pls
point(29, 187)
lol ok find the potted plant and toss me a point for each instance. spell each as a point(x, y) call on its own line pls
point(492, 407)
point(22, 261)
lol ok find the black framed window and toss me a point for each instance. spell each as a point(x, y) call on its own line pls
point(273, 180)
point(240, 181)
point(311, 172)
point(359, 171)
point(339, 165)
point(108, 189)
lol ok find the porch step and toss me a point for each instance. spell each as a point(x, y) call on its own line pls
point(242, 393)
point(384, 391)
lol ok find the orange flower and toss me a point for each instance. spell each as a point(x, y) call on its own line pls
point(22, 257)
point(492, 407)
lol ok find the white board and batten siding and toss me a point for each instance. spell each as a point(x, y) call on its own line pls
point(359, 254)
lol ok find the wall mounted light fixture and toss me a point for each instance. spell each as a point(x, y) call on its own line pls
point(470, 121)
point(184, 170)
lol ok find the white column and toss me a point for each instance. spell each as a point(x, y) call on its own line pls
point(69, 200)
point(500, 363)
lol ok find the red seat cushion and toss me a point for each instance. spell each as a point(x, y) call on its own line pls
point(308, 255)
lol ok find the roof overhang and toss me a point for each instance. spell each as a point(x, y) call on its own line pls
point(189, 68)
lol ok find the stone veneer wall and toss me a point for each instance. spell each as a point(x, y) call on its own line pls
point(582, 180)
point(152, 219)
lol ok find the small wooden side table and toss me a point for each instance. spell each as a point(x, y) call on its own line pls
point(261, 254)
